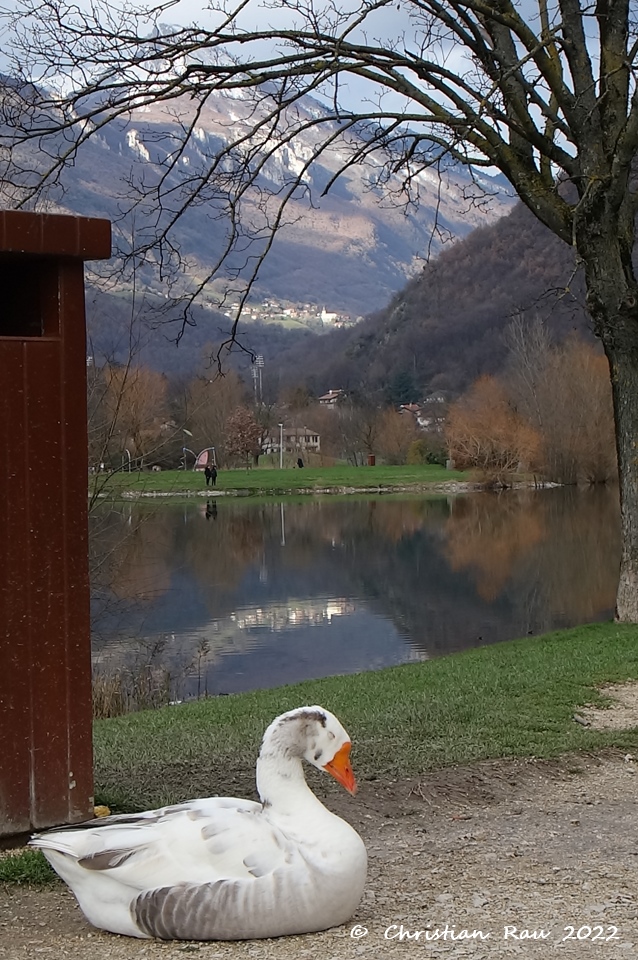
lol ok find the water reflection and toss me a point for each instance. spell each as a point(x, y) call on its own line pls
point(238, 595)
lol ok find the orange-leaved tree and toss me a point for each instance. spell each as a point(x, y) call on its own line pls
point(484, 431)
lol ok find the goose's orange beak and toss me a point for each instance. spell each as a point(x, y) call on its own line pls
point(340, 768)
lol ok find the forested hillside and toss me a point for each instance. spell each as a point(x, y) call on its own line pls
point(440, 333)
point(445, 328)
point(120, 330)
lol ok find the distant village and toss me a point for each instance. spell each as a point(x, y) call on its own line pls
point(428, 416)
point(306, 314)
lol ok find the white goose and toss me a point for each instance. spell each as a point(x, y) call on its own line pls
point(222, 868)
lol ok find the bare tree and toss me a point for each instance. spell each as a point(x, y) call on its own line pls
point(484, 431)
point(530, 347)
point(397, 431)
point(563, 391)
point(351, 430)
point(549, 100)
point(136, 403)
point(208, 405)
point(243, 437)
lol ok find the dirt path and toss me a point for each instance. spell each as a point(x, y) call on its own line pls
point(493, 850)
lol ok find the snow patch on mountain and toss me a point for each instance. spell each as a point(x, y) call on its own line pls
point(135, 144)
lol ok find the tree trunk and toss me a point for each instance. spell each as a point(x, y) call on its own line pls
point(623, 365)
point(612, 301)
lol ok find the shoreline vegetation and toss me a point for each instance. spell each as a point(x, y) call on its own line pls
point(262, 481)
point(518, 699)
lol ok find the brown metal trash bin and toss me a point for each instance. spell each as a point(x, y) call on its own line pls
point(371, 460)
point(46, 772)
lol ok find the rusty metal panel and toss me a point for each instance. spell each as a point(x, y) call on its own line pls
point(45, 666)
point(56, 235)
point(47, 548)
point(77, 590)
point(45, 645)
point(15, 641)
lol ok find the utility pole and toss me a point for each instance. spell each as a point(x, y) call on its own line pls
point(258, 367)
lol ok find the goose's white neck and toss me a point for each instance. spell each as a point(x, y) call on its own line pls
point(281, 782)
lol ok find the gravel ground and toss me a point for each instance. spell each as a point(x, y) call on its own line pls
point(500, 859)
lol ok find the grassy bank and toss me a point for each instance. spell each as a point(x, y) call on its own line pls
point(267, 480)
point(510, 700)
point(514, 699)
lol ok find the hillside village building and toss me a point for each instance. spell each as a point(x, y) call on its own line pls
point(429, 415)
point(295, 440)
point(331, 398)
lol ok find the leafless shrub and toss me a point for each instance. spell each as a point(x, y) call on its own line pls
point(563, 391)
point(125, 690)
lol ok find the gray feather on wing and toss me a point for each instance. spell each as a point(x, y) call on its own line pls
point(180, 912)
point(221, 910)
point(106, 859)
point(118, 819)
point(257, 866)
point(213, 830)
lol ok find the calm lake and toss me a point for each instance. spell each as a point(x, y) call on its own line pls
point(234, 595)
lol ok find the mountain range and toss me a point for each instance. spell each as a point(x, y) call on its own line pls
point(445, 328)
point(431, 324)
point(348, 251)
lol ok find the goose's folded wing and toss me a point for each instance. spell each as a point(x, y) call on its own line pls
point(200, 841)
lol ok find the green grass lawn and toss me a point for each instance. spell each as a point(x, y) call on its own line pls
point(26, 867)
point(513, 699)
point(273, 481)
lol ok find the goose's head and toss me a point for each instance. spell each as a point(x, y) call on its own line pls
point(315, 735)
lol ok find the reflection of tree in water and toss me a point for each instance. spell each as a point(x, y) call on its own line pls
point(447, 572)
point(582, 566)
point(536, 559)
point(572, 573)
point(336, 522)
point(143, 571)
point(130, 559)
point(329, 547)
point(219, 555)
point(488, 535)
point(386, 552)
